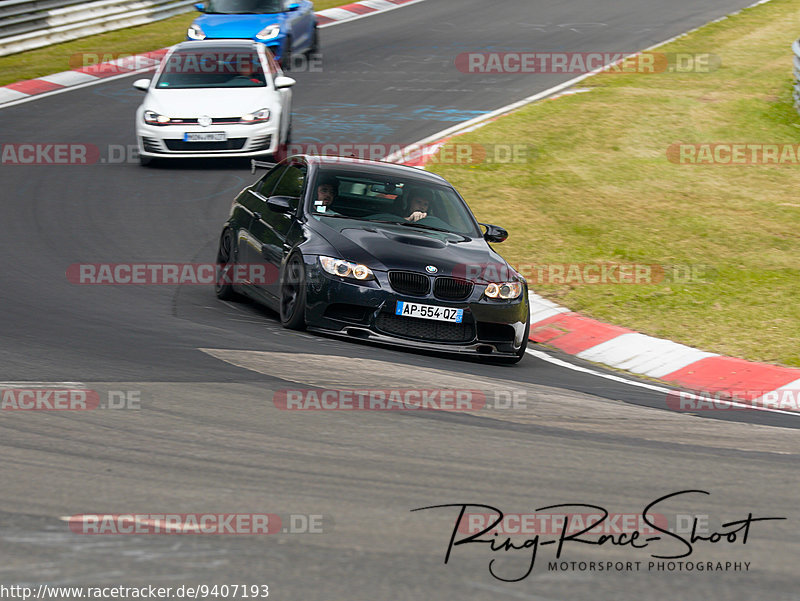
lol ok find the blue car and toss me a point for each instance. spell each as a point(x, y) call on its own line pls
point(286, 27)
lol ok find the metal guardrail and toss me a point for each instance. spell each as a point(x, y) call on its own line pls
point(25, 25)
point(796, 62)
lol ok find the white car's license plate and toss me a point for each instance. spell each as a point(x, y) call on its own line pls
point(429, 312)
point(206, 136)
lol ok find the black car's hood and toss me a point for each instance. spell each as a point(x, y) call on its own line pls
point(387, 246)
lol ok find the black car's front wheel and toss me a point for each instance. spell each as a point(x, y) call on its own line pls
point(226, 261)
point(293, 294)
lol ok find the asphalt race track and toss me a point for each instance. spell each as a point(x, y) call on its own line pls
point(208, 438)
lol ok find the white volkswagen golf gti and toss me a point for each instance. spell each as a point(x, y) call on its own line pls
point(214, 98)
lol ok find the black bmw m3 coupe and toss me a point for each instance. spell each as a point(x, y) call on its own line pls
point(374, 251)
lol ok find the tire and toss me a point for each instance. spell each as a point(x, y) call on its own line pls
point(146, 161)
point(288, 139)
point(282, 150)
point(293, 294)
point(314, 48)
point(226, 258)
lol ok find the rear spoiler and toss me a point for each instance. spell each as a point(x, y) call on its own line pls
point(254, 164)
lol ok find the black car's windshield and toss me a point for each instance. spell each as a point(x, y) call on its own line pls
point(243, 7)
point(212, 68)
point(407, 201)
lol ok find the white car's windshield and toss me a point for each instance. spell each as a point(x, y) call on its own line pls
point(212, 68)
point(243, 7)
point(401, 200)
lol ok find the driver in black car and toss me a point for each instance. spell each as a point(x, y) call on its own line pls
point(327, 189)
point(419, 204)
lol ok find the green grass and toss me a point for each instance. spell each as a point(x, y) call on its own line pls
point(133, 40)
point(601, 189)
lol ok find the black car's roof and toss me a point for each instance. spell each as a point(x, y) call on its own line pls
point(372, 167)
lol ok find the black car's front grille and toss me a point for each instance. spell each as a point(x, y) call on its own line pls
point(424, 329)
point(452, 289)
point(408, 282)
point(181, 146)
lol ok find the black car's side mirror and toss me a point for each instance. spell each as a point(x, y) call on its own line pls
point(494, 233)
point(280, 204)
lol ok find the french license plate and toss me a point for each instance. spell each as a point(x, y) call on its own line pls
point(429, 312)
point(205, 136)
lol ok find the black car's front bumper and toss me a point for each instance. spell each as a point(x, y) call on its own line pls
point(367, 311)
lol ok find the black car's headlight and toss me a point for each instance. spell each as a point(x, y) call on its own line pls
point(270, 32)
point(153, 118)
point(505, 290)
point(195, 33)
point(259, 116)
point(346, 269)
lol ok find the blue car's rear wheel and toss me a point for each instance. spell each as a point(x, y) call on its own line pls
point(314, 48)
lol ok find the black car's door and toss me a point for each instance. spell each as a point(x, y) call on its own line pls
point(271, 228)
point(253, 203)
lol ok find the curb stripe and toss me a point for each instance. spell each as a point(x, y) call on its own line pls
point(31, 87)
point(68, 78)
point(720, 374)
point(574, 333)
point(642, 354)
point(359, 9)
point(339, 14)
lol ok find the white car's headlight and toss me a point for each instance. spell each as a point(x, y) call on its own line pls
point(259, 116)
point(506, 290)
point(195, 33)
point(153, 118)
point(270, 32)
point(346, 269)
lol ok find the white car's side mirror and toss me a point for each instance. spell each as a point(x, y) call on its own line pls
point(283, 82)
point(141, 84)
